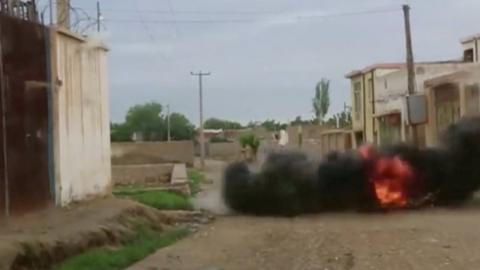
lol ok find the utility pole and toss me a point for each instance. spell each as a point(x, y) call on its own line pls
point(410, 68)
point(202, 135)
point(99, 16)
point(51, 11)
point(168, 122)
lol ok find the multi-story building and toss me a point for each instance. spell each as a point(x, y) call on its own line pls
point(378, 97)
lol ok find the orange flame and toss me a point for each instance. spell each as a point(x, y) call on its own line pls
point(391, 177)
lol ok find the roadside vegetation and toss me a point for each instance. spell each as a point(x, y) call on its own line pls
point(162, 200)
point(252, 142)
point(145, 242)
point(195, 179)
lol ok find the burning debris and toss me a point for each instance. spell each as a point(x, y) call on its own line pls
point(397, 177)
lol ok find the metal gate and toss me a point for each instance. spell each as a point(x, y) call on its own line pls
point(24, 123)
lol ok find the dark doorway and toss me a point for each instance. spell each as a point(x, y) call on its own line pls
point(468, 55)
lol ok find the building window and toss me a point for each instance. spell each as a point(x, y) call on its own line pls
point(357, 100)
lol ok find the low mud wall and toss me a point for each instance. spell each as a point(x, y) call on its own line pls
point(141, 174)
point(153, 153)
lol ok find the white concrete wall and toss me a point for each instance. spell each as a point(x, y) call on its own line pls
point(81, 118)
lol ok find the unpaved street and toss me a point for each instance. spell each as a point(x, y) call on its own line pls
point(428, 239)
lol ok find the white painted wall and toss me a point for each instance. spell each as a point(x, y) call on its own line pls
point(81, 119)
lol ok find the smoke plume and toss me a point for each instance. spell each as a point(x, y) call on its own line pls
point(395, 177)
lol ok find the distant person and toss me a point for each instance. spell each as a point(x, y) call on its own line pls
point(283, 141)
point(276, 138)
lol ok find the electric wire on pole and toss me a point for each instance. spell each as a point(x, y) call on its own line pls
point(200, 75)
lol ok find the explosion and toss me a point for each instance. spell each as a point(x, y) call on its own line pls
point(390, 177)
point(396, 177)
point(390, 181)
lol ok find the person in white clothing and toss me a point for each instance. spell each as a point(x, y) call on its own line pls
point(283, 141)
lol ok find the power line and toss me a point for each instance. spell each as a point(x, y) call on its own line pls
point(352, 13)
point(200, 12)
point(174, 25)
point(295, 18)
point(208, 12)
point(146, 29)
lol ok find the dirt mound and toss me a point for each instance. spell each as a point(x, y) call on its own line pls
point(43, 239)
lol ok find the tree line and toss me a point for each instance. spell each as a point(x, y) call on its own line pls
point(150, 120)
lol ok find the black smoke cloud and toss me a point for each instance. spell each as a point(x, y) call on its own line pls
point(289, 183)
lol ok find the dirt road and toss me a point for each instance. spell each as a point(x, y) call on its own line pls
point(428, 239)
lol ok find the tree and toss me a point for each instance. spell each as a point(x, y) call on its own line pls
point(215, 123)
point(298, 121)
point(271, 125)
point(149, 120)
point(180, 127)
point(321, 101)
point(120, 132)
point(253, 124)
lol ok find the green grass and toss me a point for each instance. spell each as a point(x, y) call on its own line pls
point(146, 242)
point(162, 200)
point(195, 180)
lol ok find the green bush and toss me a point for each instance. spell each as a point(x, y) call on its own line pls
point(251, 141)
point(195, 179)
point(162, 200)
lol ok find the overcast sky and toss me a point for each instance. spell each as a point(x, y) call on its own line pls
point(265, 56)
